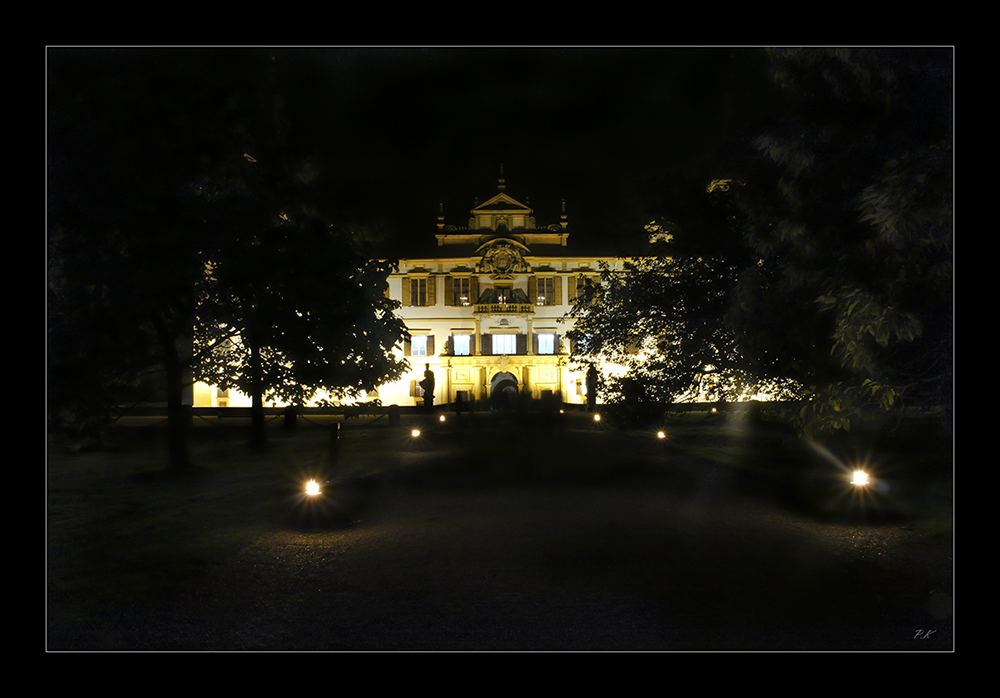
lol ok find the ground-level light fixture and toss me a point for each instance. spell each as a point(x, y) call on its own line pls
point(313, 489)
point(661, 434)
point(415, 433)
point(597, 417)
point(441, 418)
point(860, 478)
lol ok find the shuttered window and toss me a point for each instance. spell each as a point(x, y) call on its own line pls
point(546, 343)
point(504, 344)
point(419, 345)
point(458, 290)
point(461, 344)
point(418, 291)
point(542, 290)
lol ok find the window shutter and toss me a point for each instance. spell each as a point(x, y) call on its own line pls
point(572, 289)
point(406, 292)
point(407, 347)
point(473, 290)
point(521, 344)
point(557, 292)
point(430, 345)
point(449, 290)
point(533, 290)
point(534, 342)
point(487, 345)
point(431, 287)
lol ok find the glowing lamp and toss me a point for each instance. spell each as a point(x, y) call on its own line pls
point(597, 417)
point(415, 433)
point(661, 435)
point(860, 478)
point(441, 418)
point(312, 488)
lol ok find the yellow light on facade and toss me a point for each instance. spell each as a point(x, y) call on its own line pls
point(860, 478)
point(312, 488)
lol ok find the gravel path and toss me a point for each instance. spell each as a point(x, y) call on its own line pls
point(562, 569)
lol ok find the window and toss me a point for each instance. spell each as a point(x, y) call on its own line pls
point(504, 295)
point(461, 344)
point(546, 291)
point(418, 345)
point(546, 344)
point(461, 291)
point(504, 344)
point(584, 285)
point(418, 292)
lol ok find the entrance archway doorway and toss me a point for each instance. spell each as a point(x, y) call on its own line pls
point(503, 391)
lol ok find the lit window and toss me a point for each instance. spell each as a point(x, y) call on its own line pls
point(546, 291)
point(418, 345)
point(461, 344)
point(461, 291)
point(504, 344)
point(546, 343)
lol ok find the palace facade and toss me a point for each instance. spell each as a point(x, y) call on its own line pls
point(486, 313)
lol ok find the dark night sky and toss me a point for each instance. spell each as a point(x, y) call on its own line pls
point(622, 134)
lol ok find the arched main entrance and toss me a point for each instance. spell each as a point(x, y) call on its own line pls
point(503, 391)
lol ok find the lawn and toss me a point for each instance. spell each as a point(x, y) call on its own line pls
point(118, 528)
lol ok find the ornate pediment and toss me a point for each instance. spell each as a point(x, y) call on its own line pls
point(502, 259)
point(502, 212)
point(501, 203)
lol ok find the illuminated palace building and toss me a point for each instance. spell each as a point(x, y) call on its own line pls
point(486, 313)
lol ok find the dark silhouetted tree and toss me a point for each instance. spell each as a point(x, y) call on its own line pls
point(660, 317)
point(849, 219)
point(148, 152)
point(127, 135)
point(289, 303)
point(289, 309)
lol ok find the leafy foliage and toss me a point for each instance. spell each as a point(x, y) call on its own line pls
point(850, 218)
point(181, 195)
point(658, 321)
point(289, 304)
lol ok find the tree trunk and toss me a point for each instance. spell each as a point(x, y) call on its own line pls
point(258, 438)
point(178, 421)
point(178, 414)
